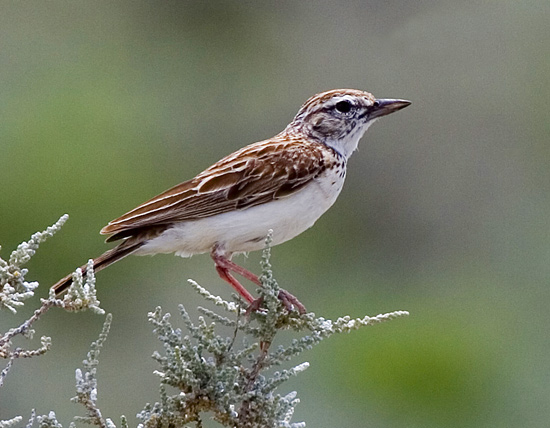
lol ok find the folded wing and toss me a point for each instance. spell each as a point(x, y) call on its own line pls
point(254, 175)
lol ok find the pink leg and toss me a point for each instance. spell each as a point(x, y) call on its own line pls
point(225, 263)
point(226, 276)
point(224, 266)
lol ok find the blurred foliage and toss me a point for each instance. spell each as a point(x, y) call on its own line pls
point(105, 104)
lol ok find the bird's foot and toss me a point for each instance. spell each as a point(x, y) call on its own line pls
point(290, 301)
point(224, 266)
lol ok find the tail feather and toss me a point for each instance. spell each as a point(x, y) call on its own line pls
point(106, 259)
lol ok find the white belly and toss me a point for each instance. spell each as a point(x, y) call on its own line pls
point(245, 230)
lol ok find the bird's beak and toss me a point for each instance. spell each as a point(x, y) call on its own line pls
point(382, 107)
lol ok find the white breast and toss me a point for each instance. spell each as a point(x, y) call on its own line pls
point(245, 230)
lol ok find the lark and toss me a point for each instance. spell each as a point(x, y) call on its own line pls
point(283, 184)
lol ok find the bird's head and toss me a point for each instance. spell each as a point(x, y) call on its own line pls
point(340, 117)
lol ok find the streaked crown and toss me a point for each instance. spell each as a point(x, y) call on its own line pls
point(340, 117)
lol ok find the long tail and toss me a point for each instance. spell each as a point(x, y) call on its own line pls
point(106, 259)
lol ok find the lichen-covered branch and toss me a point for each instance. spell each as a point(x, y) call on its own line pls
point(86, 381)
point(221, 365)
point(14, 290)
point(230, 376)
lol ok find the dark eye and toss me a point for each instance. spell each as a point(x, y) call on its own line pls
point(343, 106)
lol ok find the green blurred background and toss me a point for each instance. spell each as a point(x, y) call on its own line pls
point(444, 213)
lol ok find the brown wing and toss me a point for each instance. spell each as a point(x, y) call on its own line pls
point(254, 175)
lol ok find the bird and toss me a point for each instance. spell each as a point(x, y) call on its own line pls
point(283, 184)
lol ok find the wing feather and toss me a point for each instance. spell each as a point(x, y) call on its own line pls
point(254, 175)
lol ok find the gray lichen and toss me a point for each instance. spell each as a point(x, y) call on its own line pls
point(222, 365)
point(230, 377)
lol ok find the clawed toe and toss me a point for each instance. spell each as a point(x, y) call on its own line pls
point(254, 306)
point(291, 302)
